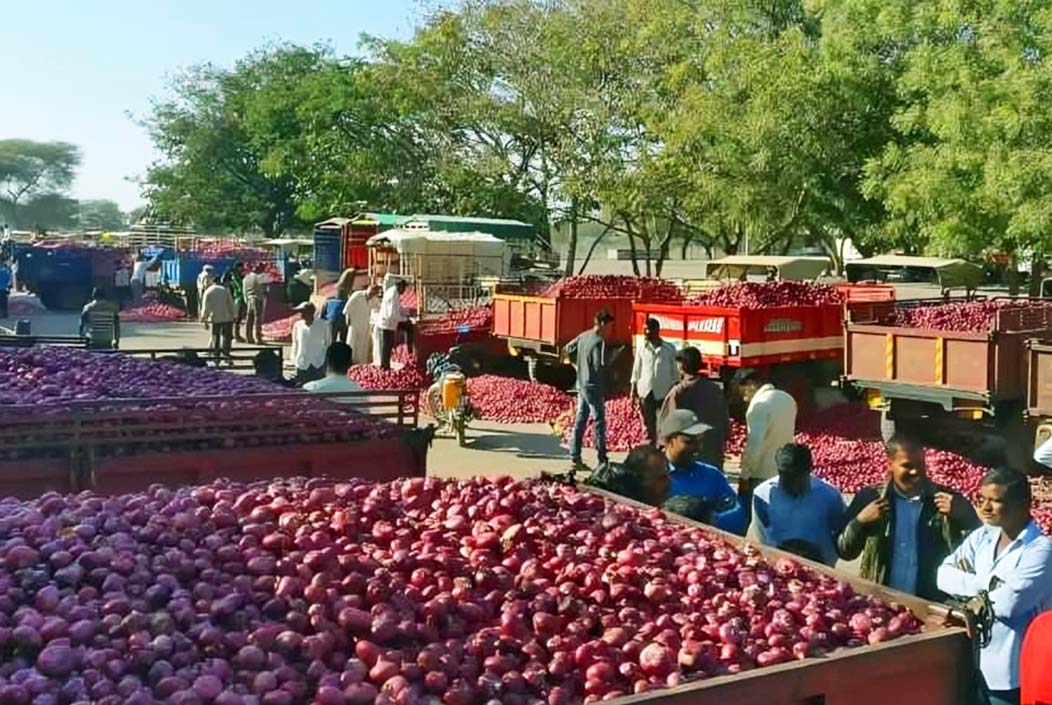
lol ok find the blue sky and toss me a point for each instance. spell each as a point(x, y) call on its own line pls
point(74, 69)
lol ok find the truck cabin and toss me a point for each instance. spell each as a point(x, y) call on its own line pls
point(947, 274)
point(767, 267)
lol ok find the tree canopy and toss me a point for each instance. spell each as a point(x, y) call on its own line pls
point(730, 124)
point(33, 177)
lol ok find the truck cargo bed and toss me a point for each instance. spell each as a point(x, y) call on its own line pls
point(943, 366)
point(546, 324)
point(125, 445)
point(743, 337)
point(933, 667)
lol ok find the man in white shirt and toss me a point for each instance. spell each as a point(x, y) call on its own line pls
point(310, 340)
point(654, 373)
point(337, 363)
point(204, 280)
point(1011, 561)
point(1043, 456)
point(254, 287)
point(218, 311)
point(138, 279)
point(357, 313)
point(770, 423)
point(122, 282)
point(392, 316)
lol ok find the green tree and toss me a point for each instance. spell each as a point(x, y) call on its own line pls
point(223, 135)
point(30, 170)
point(970, 168)
point(100, 214)
point(49, 211)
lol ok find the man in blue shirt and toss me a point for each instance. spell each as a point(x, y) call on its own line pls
point(796, 511)
point(5, 287)
point(1011, 561)
point(681, 433)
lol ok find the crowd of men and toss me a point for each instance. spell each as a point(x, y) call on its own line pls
point(909, 533)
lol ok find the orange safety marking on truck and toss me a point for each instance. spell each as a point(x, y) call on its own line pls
point(889, 356)
point(939, 371)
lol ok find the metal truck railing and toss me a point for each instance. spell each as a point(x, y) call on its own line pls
point(319, 416)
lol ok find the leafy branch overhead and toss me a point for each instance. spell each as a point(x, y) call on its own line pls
point(726, 124)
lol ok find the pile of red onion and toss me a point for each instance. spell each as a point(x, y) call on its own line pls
point(473, 318)
point(417, 592)
point(43, 375)
point(610, 286)
point(280, 331)
point(373, 377)
point(152, 312)
point(509, 400)
point(964, 316)
point(624, 425)
point(767, 294)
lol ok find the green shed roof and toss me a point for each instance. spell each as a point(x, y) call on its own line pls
point(391, 219)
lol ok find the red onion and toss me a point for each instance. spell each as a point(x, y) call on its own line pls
point(468, 591)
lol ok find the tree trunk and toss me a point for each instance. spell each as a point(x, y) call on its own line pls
point(1036, 271)
point(571, 248)
point(633, 252)
point(1013, 276)
point(591, 249)
point(687, 239)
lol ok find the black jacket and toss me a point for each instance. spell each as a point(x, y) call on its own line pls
point(937, 536)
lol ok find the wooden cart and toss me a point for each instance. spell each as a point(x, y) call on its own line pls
point(933, 667)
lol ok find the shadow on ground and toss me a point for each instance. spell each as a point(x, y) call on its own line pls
point(543, 446)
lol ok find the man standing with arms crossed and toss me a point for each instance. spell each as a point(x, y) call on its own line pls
point(653, 375)
point(587, 352)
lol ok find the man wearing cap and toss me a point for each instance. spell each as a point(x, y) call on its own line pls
point(310, 340)
point(587, 352)
point(653, 375)
point(681, 433)
point(797, 509)
point(696, 392)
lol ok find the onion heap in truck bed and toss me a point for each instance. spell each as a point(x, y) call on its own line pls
point(417, 591)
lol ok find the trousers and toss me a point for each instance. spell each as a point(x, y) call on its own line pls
point(648, 409)
point(590, 403)
point(222, 337)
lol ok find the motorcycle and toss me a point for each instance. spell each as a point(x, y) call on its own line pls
point(447, 398)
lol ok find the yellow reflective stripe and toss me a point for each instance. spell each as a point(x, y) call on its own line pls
point(939, 372)
point(889, 356)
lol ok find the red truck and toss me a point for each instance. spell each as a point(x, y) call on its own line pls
point(798, 347)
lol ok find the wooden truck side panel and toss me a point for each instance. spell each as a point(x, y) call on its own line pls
point(989, 364)
point(547, 324)
point(1039, 386)
point(930, 668)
